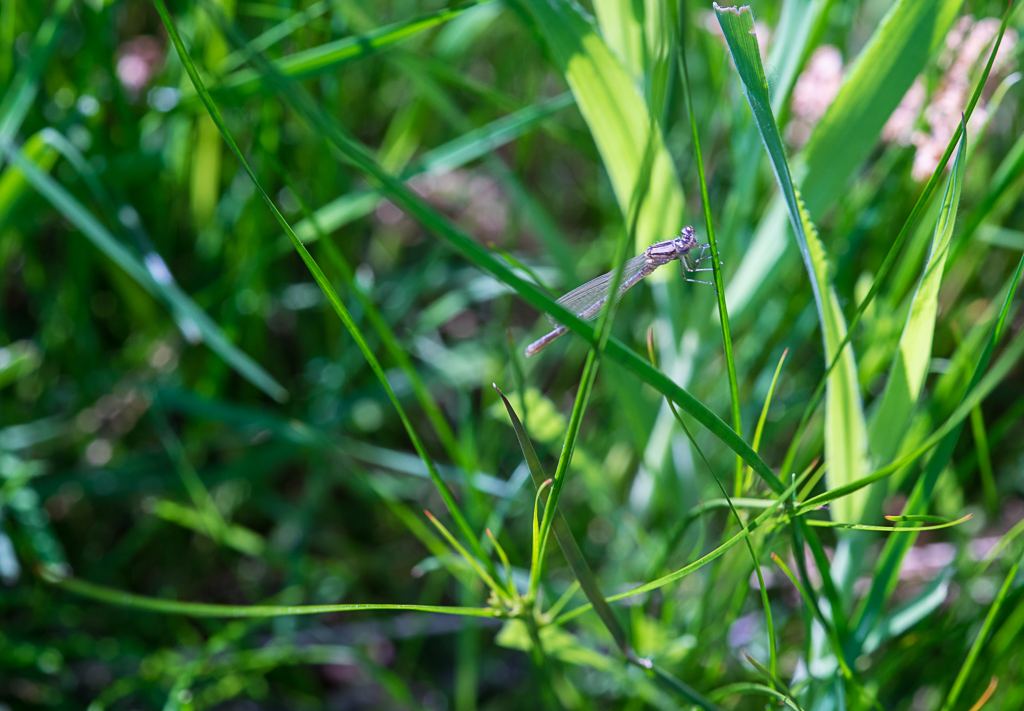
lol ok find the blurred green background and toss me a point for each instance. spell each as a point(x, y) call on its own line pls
point(184, 416)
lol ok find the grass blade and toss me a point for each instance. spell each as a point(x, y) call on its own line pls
point(910, 364)
point(112, 596)
point(764, 416)
point(845, 430)
point(723, 311)
point(566, 541)
point(946, 438)
point(986, 628)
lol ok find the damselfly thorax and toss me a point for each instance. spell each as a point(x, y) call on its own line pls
point(587, 301)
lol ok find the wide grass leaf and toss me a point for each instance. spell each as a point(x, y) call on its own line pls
point(617, 115)
point(910, 365)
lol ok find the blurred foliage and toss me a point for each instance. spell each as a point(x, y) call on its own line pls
point(184, 417)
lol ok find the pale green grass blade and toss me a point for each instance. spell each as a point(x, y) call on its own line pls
point(817, 523)
point(845, 429)
point(325, 286)
point(179, 303)
point(328, 57)
point(240, 538)
point(910, 364)
point(112, 596)
point(759, 428)
point(616, 114)
point(466, 245)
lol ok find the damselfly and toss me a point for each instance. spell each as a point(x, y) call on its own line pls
point(586, 301)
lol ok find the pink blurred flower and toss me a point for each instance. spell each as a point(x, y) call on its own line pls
point(814, 92)
point(139, 60)
point(967, 45)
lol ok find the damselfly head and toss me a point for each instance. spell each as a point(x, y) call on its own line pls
point(686, 240)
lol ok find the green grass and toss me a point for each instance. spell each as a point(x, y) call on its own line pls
point(259, 311)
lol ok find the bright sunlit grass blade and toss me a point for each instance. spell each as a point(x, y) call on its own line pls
point(922, 203)
point(845, 430)
point(617, 117)
point(910, 364)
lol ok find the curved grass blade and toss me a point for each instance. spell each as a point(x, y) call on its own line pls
point(981, 386)
point(747, 688)
point(784, 496)
point(887, 529)
point(326, 287)
point(167, 291)
point(380, 325)
point(845, 430)
point(455, 237)
point(113, 596)
point(772, 645)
